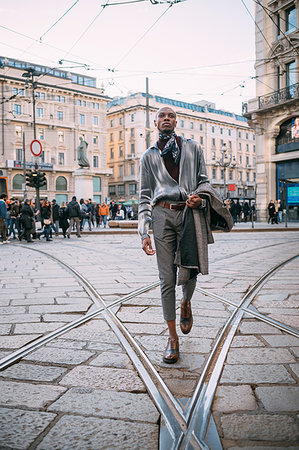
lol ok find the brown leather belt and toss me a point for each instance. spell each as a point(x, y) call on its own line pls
point(175, 206)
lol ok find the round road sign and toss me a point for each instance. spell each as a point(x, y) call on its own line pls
point(36, 148)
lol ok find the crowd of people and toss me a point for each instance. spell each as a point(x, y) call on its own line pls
point(244, 212)
point(24, 220)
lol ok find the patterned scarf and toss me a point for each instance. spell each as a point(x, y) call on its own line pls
point(171, 147)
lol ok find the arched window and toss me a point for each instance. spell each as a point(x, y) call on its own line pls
point(61, 184)
point(17, 181)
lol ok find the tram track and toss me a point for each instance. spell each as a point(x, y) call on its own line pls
point(187, 428)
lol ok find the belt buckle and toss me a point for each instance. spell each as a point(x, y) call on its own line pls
point(172, 206)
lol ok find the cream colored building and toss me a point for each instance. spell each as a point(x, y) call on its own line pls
point(67, 106)
point(274, 111)
point(214, 129)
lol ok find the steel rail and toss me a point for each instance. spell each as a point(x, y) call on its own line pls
point(199, 409)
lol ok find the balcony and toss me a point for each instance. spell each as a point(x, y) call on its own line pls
point(274, 99)
point(132, 177)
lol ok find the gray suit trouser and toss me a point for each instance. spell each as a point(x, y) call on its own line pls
point(166, 224)
point(73, 220)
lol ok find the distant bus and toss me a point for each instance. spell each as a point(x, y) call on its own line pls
point(3, 185)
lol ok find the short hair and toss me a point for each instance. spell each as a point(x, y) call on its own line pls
point(74, 198)
point(3, 196)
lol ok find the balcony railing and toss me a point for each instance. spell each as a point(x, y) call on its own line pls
point(278, 97)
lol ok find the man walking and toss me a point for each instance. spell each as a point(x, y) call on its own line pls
point(73, 211)
point(3, 218)
point(177, 199)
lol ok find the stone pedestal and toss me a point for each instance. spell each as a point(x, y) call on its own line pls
point(83, 184)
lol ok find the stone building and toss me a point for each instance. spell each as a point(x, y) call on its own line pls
point(227, 141)
point(274, 113)
point(57, 108)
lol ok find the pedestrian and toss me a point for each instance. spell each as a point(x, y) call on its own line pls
point(97, 212)
point(245, 210)
point(271, 211)
point(113, 210)
point(177, 199)
point(63, 218)
point(91, 208)
point(46, 214)
point(232, 210)
point(238, 211)
point(14, 214)
point(3, 218)
point(27, 220)
point(73, 212)
point(276, 212)
point(55, 217)
point(104, 213)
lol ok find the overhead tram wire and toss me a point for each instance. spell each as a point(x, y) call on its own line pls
point(55, 23)
point(144, 34)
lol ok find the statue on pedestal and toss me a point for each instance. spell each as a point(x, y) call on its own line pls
point(82, 158)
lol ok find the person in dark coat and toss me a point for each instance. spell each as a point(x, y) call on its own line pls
point(271, 211)
point(46, 214)
point(55, 217)
point(238, 211)
point(27, 221)
point(113, 210)
point(246, 211)
point(74, 212)
point(63, 218)
point(232, 210)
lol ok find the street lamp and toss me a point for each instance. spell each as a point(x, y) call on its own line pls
point(226, 160)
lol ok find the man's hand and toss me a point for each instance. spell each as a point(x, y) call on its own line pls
point(147, 246)
point(194, 201)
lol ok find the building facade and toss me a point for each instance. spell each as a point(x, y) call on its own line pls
point(227, 141)
point(57, 108)
point(274, 113)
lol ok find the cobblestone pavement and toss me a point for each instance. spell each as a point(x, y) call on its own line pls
point(81, 390)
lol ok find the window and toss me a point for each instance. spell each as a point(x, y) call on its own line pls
point(120, 135)
point(278, 26)
point(93, 105)
point(120, 120)
point(132, 117)
point(97, 106)
point(121, 152)
point(60, 115)
point(82, 119)
point(95, 161)
point(240, 159)
point(111, 137)
point(213, 142)
point(253, 137)
point(132, 188)
point(42, 156)
point(19, 154)
point(182, 123)
point(230, 175)
point(58, 98)
point(111, 153)
point(240, 176)
point(290, 17)
point(222, 174)
point(97, 185)
point(247, 160)
point(97, 198)
point(78, 102)
point(213, 129)
point(61, 184)
point(18, 131)
point(132, 169)
point(200, 127)
point(95, 139)
point(39, 112)
point(132, 132)
point(247, 147)
point(213, 155)
point(83, 103)
point(214, 174)
point(61, 159)
point(254, 149)
point(111, 123)
point(42, 96)
point(221, 142)
point(121, 171)
point(191, 125)
point(17, 110)
point(41, 134)
point(112, 190)
point(254, 161)
point(17, 181)
point(112, 173)
point(229, 144)
point(95, 120)
point(62, 99)
point(21, 92)
point(246, 135)
point(291, 77)
point(229, 132)
point(15, 91)
point(133, 149)
point(247, 176)
point(201, 140)
point(221, 130)
point(121, 189)
point(254, 176)
point(60, 136)
point(240, 135)
point(240, 146)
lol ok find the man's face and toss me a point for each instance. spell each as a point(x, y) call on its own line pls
point(166, 120)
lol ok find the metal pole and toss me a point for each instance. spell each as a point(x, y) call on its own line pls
point(2, 125)
point(224, 181)
point(33, 100)
point(24, 168)
point(147, 117)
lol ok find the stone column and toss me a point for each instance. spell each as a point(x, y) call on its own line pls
point(83, 183)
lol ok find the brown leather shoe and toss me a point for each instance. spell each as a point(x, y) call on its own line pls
point(171, 353)
point(186, 321)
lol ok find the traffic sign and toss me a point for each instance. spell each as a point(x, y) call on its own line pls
point(36, 147)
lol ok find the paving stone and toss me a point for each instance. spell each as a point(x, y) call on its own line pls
point(141, 317)
point(253, 327)
point(5, 329)
point(202, 332)
point(281, 340)
point(295, 369)
point(279, 398)
point(90, 331)
point(295, 350)
point(104, 378)
point(42, 309)
point(247, 341)
point(59, 355)
point(19, 318)
point(110, 359)
point(104, 347)
point(256, 374)
point(67, 343)
point(261, 427)
point(19, 429)
point(188, 361)
point(234, 398)
point(12, 309)
point(108, 404)
point(146, 328)
point(60, 317)
point(187, 345)
point(259, 356)
point(32, 372)
point(29, 395)
point(292, 321)
point(42, 327)
point(77, 432)
point(181, 388)
point(17, 341)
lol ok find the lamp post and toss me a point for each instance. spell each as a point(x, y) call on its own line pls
point(29, 74)
point(226, 160)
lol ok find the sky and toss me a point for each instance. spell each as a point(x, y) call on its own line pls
point(191, 51)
